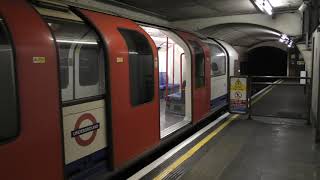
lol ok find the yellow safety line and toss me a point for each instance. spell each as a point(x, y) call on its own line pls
point(204, 141)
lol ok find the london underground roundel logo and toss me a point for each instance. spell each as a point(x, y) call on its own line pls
point(78, 130)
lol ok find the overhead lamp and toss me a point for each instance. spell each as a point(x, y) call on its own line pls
point(220, 54)
point(75, 42)
point(290, 45)
point(303, 6)
point(264, 6)
point(286, 40)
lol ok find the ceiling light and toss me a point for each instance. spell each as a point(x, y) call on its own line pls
point(220, 54)
point(76, 42)
point(264, 6)
point(290, 45)
point(303, 7)
point(286, 40)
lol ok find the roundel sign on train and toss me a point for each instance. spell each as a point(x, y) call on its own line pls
point(85, 129)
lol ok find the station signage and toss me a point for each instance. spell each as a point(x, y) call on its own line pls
point(238, 95)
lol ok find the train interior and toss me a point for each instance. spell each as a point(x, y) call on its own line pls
point(174, 81)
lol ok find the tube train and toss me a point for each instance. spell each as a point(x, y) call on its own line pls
point(84, 91)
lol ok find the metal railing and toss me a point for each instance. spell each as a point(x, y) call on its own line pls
point(307, 84)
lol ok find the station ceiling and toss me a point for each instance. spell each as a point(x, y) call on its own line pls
point(174, 10)
point(245, 35)
point(236, 34)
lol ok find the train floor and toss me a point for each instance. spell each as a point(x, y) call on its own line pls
point(168, 119)
point(276, 144)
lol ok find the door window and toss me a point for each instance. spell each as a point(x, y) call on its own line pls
point(9, 123)
point(199, 64)
point(141, 68)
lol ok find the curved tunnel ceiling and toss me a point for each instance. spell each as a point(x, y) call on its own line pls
point(238, 34)
point(174, 10)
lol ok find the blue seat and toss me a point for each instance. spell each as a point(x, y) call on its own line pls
point(162, 85)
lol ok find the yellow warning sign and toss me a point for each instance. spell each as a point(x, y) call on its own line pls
point(238, 86)
point(238, 95)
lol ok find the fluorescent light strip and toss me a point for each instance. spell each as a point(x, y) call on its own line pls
point(268, 7)
point(76, 42)
point(264, 6)
point(221, 55)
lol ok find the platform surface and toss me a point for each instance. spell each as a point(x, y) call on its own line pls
point(273, 145)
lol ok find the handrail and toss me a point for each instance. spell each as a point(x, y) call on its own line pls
point(172, 91)
point(167, 60)
point(271, 83)
point(280, 77)
point(182, 54)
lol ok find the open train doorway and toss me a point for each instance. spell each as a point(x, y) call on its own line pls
point(174, 62)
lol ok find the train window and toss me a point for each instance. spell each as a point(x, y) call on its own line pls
point(218, 61)
point(89, 65)
point(81, 59)
point(199, 64)
point(64, 67)
point(9, 124)
point(141, 68)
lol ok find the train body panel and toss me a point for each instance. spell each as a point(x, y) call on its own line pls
point(135, 128)
point(200, 76)
point(79, 119)
point(36, 151)
point(218, 74)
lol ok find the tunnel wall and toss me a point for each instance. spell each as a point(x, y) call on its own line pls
point(314, 111)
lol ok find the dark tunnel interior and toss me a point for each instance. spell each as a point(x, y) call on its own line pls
point(265, 61)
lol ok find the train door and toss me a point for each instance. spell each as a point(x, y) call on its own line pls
point(82, 62)
point(133, 67)
point(219, 76)
point(200, 76)
point(30, 126)
point(174, 61)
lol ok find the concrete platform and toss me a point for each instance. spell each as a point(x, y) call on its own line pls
point(270, 146)
point(255, 150)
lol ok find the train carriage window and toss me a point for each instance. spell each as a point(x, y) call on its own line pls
point(64, 67)
point(81, 59)
point(89, 65)
point(9, 123)
point(199, 64)
point(141, 68)
point(218, 61)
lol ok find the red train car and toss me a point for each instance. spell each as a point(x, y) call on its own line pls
point(87, 91)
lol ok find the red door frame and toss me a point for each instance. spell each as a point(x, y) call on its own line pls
point(134, 129)
point(37, 152)
point(200, 96)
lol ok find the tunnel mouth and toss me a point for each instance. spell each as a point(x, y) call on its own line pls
point(264, 61)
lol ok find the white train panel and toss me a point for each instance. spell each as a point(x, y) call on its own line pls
point(84, 130)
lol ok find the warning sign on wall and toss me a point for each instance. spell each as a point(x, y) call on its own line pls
point(238, 95)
